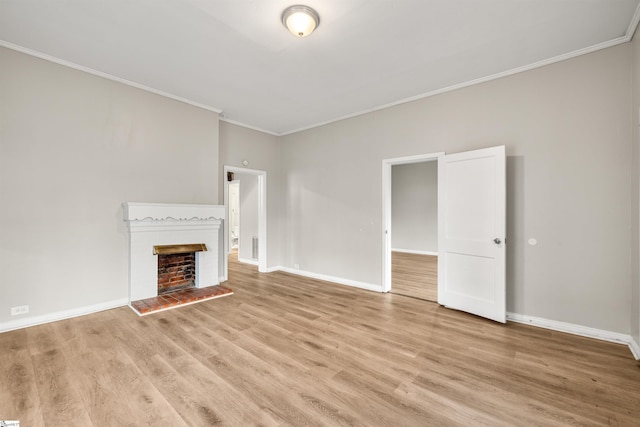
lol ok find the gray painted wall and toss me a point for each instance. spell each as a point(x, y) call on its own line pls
point(567, 131)
point(73, 148)
point(414, 207)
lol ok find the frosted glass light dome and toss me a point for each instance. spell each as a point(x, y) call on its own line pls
point(300, 20)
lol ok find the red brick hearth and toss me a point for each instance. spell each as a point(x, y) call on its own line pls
point(179, 298)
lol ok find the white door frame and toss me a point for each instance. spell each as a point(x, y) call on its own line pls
point(262, 216)
point(386, 208)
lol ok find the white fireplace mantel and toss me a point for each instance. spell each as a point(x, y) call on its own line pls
point(170, 211)
point(152, 224)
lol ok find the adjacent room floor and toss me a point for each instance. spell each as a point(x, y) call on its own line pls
point(414, 275)
point(288, 350)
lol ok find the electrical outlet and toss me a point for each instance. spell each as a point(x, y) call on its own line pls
point(22, 309)
point(296, 266)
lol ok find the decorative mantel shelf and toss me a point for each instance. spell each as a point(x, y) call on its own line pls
point(170, 211)
point(159, 224)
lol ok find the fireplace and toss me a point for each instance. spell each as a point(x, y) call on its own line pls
point(158, 230)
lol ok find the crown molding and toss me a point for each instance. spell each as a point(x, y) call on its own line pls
point(624, 39)
point(627, 37)
point(107, 76)
point(244, 125)
point(633, 25)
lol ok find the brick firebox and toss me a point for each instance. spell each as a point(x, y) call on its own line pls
point(176, 271)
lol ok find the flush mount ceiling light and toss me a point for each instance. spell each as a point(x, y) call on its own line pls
point(300, 20)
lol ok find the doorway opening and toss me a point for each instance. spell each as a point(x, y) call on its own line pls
point(234, 214)
point(410, 226)
point(254, 234)
point(414, 230)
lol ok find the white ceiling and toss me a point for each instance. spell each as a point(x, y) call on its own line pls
point(236, 57)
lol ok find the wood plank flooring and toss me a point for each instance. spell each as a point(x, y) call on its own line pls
point(414, 275)
point(287, 350)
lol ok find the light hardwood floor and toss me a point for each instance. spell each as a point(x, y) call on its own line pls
point(286, 350)
point(414, 275)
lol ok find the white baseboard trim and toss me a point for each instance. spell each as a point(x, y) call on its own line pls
point(25, 322)
point(248, 261)
point(273, 269)
point(635, 348)
point(574, 329)
point(412, 251)
point(333, 279)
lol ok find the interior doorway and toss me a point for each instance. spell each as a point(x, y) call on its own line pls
point(414, 226)
point(234, 214)
point(410, 226)
point(471, 229)
point(257, 243)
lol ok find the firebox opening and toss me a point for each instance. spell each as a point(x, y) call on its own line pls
point(177, 266)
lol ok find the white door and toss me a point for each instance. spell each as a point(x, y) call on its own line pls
point(471, 232)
